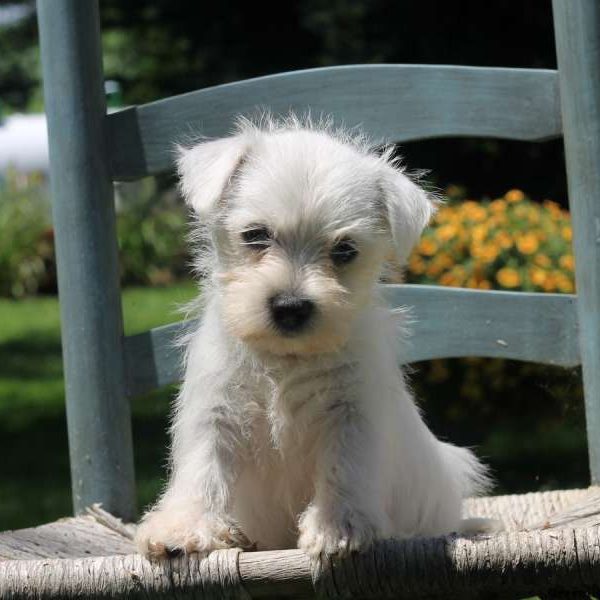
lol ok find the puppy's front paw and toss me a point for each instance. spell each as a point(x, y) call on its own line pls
point(165, 533)
point(341, 533)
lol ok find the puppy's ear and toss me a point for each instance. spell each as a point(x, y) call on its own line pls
point(206, 169)
point(407, 209)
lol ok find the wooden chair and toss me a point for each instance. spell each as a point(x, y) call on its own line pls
point(552, 542)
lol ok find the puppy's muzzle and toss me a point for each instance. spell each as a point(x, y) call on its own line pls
point(291, 314)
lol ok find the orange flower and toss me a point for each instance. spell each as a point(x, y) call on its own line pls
point(537, 276)
point(448, 279)
point(508, 277)
point(504, 239)
point(528, 243)
point(427, 247)
point(498, 205)
point(542, 260)
point(567, 233)
point(564, 283)
point(567, 262)
point(514, 196)
point(446, 232)
point(416, 265)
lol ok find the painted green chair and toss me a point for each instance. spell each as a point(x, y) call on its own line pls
point(552, 543)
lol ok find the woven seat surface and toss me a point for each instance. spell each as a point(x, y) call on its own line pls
point(551, 539)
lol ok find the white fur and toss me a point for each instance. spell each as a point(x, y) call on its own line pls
point(311, 440)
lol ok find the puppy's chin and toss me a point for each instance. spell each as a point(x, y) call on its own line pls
point(307, 345)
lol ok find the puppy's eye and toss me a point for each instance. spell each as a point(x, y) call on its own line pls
point(343, 252)
point(257, 237)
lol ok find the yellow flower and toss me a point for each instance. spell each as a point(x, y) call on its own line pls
point(484, 284)
point(564, 283)
point(528, 243)
point(498, 205)
point(567, 262)
point(549, 284)
point(537, 276)
point(416, 265)
point(567, 233)
point(443, 260)
point(542, 260)
point(446, 232)
point(514, 196)
point(427, 247)
point(553, 208)
point(448, 279)
point(533, 216)
point(475, 212)
point(504, 239)
point(479, 232)
point(489, 253)
point(434, 269)
point(444, 214)
point(508, 277)
point(521, 211)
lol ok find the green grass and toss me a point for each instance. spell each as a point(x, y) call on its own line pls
point(34, 485)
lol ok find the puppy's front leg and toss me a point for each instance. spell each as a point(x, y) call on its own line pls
point(346, 512)
point(194, 513)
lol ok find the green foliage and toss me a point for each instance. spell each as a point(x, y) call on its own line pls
point(151, 226)
point(152, 235)
point(26, 243)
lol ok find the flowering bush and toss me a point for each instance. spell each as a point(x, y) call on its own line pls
point(509, 243)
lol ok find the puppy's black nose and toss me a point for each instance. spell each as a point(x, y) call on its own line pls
point(290, 313)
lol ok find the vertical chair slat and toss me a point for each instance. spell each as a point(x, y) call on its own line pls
point(577, 30)
point(98, 412)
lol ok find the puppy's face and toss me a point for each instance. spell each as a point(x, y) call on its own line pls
point(301, 224)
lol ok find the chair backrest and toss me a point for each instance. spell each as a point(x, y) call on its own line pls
point(90, 149)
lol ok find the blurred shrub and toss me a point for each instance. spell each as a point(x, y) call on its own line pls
point(26, 240)
point(151, 226)
point(509, 243)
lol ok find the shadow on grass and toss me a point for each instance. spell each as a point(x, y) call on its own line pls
point(36, 357)
point(35, 482)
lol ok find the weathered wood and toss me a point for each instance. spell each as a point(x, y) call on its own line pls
point(98, 414)
point(455, 322)
point(392, 102)
point(444, 322)
point(577, 30)
point(154, 358)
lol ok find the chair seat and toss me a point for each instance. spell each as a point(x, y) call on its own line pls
point(551, 541)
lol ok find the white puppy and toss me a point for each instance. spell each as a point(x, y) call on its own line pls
point(294, 425)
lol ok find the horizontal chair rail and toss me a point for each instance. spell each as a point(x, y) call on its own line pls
point(507, 564)
point(444, 322)
point(392, 102)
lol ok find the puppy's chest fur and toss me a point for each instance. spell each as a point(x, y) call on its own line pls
point(292, 404)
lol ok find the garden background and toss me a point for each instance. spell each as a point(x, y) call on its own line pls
point(505, 226)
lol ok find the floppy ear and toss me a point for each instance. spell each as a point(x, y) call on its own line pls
point(408, 209)
point(206, 169)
